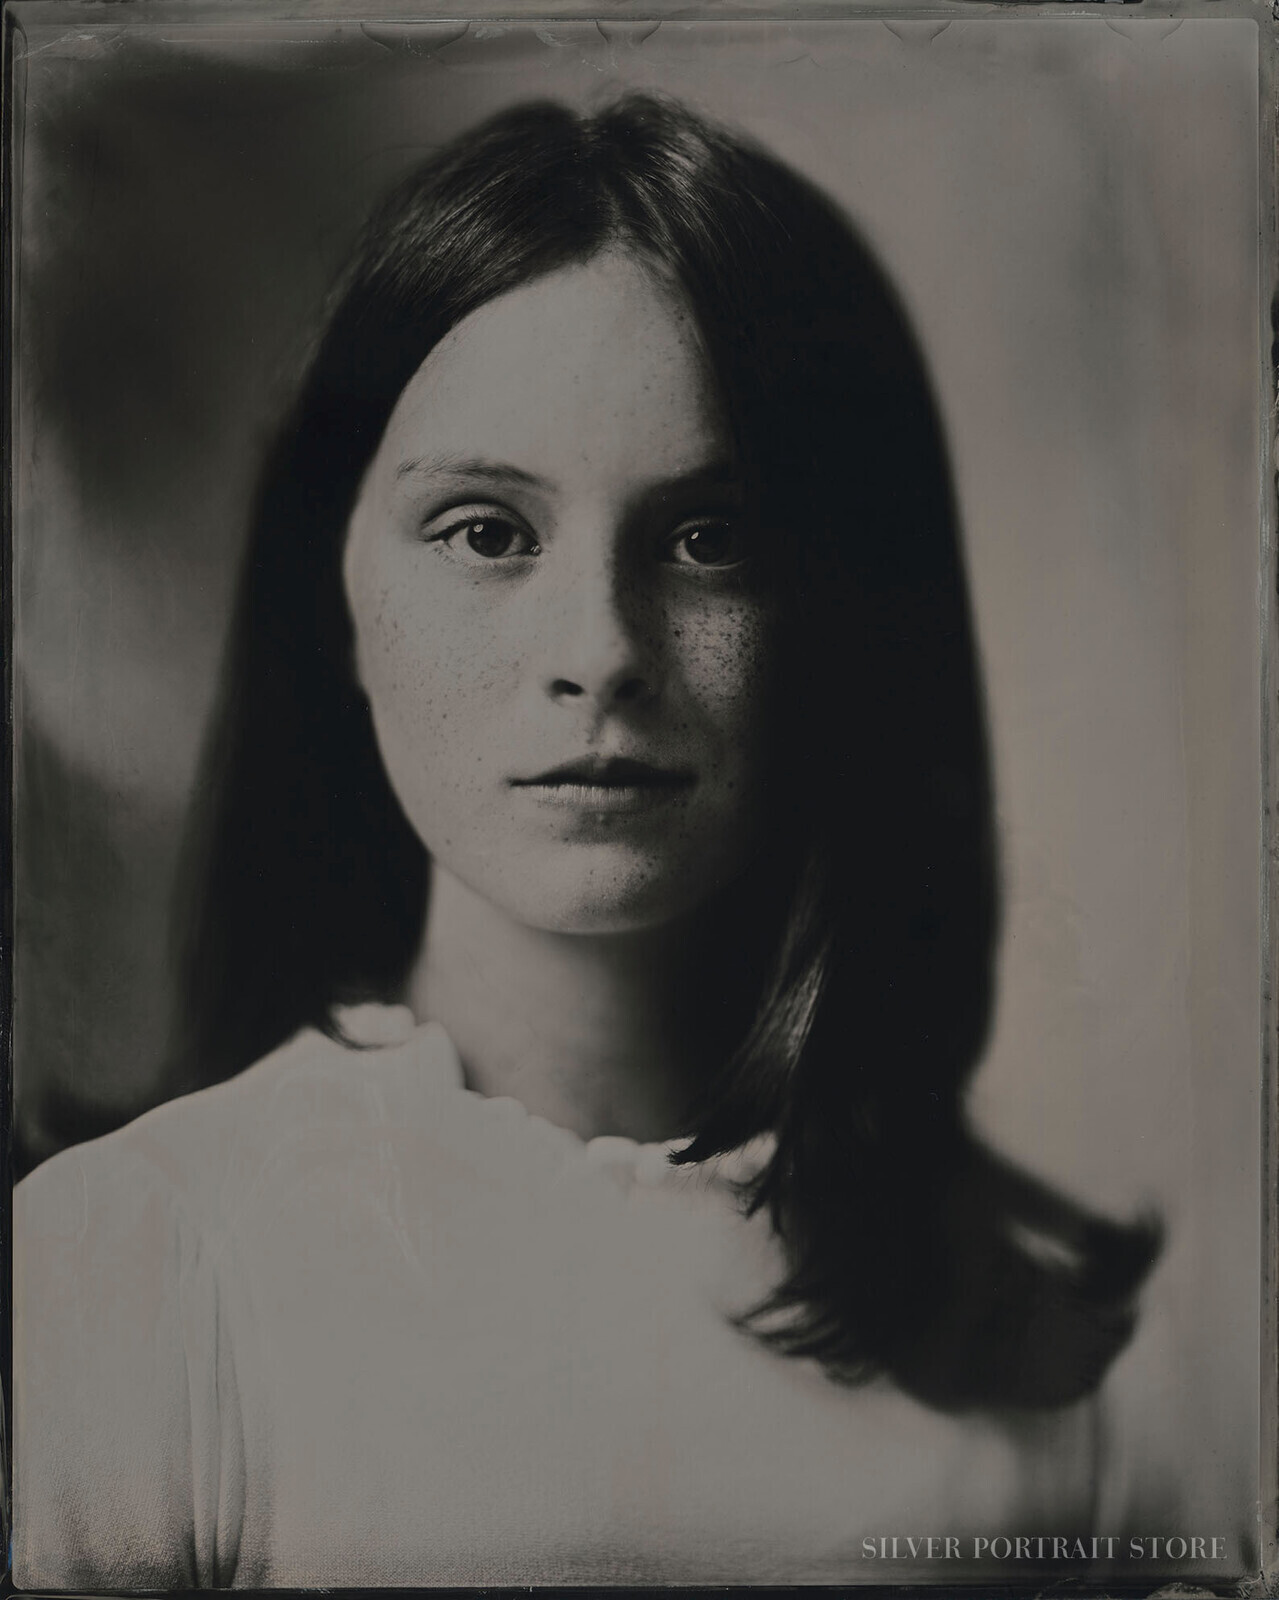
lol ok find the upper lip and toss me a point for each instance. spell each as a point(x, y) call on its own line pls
point(609, 772)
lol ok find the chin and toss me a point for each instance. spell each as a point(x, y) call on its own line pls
point(605, 896)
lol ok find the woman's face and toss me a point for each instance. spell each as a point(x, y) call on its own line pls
point(559, 620)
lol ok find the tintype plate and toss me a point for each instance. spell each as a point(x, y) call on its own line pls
point(805, 489)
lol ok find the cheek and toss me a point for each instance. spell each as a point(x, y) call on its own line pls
point(434, 674)
point(726, 654)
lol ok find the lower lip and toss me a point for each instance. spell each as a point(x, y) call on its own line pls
point(600, 797)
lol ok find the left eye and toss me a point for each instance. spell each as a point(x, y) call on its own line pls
point(707, 544)
point(484, 536)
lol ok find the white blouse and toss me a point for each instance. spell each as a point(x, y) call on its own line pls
point(341, 1321)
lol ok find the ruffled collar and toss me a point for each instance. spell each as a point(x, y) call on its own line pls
point(629, 1161)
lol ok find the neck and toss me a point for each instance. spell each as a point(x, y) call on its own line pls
point(601, 1034)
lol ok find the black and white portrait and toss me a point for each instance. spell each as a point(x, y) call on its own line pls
point(637, 802)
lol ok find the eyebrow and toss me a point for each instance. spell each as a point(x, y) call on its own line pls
point(469, 470)
point(721, 473)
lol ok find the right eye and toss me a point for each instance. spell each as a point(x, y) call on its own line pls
point(481, 535)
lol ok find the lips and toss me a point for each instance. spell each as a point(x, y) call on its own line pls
point(612, 772)
point(606, 784)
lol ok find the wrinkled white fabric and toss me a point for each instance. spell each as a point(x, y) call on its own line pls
point(342, 1322)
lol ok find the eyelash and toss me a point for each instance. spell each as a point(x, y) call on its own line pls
point(710, 525)
point(473, 518)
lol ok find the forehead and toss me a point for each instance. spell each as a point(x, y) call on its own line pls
point(595, 368)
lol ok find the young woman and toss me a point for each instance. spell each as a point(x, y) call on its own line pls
point(597, 865)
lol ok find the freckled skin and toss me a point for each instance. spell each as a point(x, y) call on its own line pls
point(578, 624)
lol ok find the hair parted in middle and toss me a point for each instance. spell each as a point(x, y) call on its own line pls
point(877, 887)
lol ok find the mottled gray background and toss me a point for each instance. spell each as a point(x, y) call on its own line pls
point(1070, 209)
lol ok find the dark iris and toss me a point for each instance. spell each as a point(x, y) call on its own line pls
point(490, 538)
point(711, 544)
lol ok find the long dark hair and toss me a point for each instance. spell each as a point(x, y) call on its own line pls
point(911, 1248)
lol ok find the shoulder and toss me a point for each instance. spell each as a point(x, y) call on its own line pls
point(199, 1151)
point(126, 1303)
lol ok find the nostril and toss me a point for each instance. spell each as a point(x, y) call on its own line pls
point(608, 692)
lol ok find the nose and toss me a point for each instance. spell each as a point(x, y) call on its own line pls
point(602, 650)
